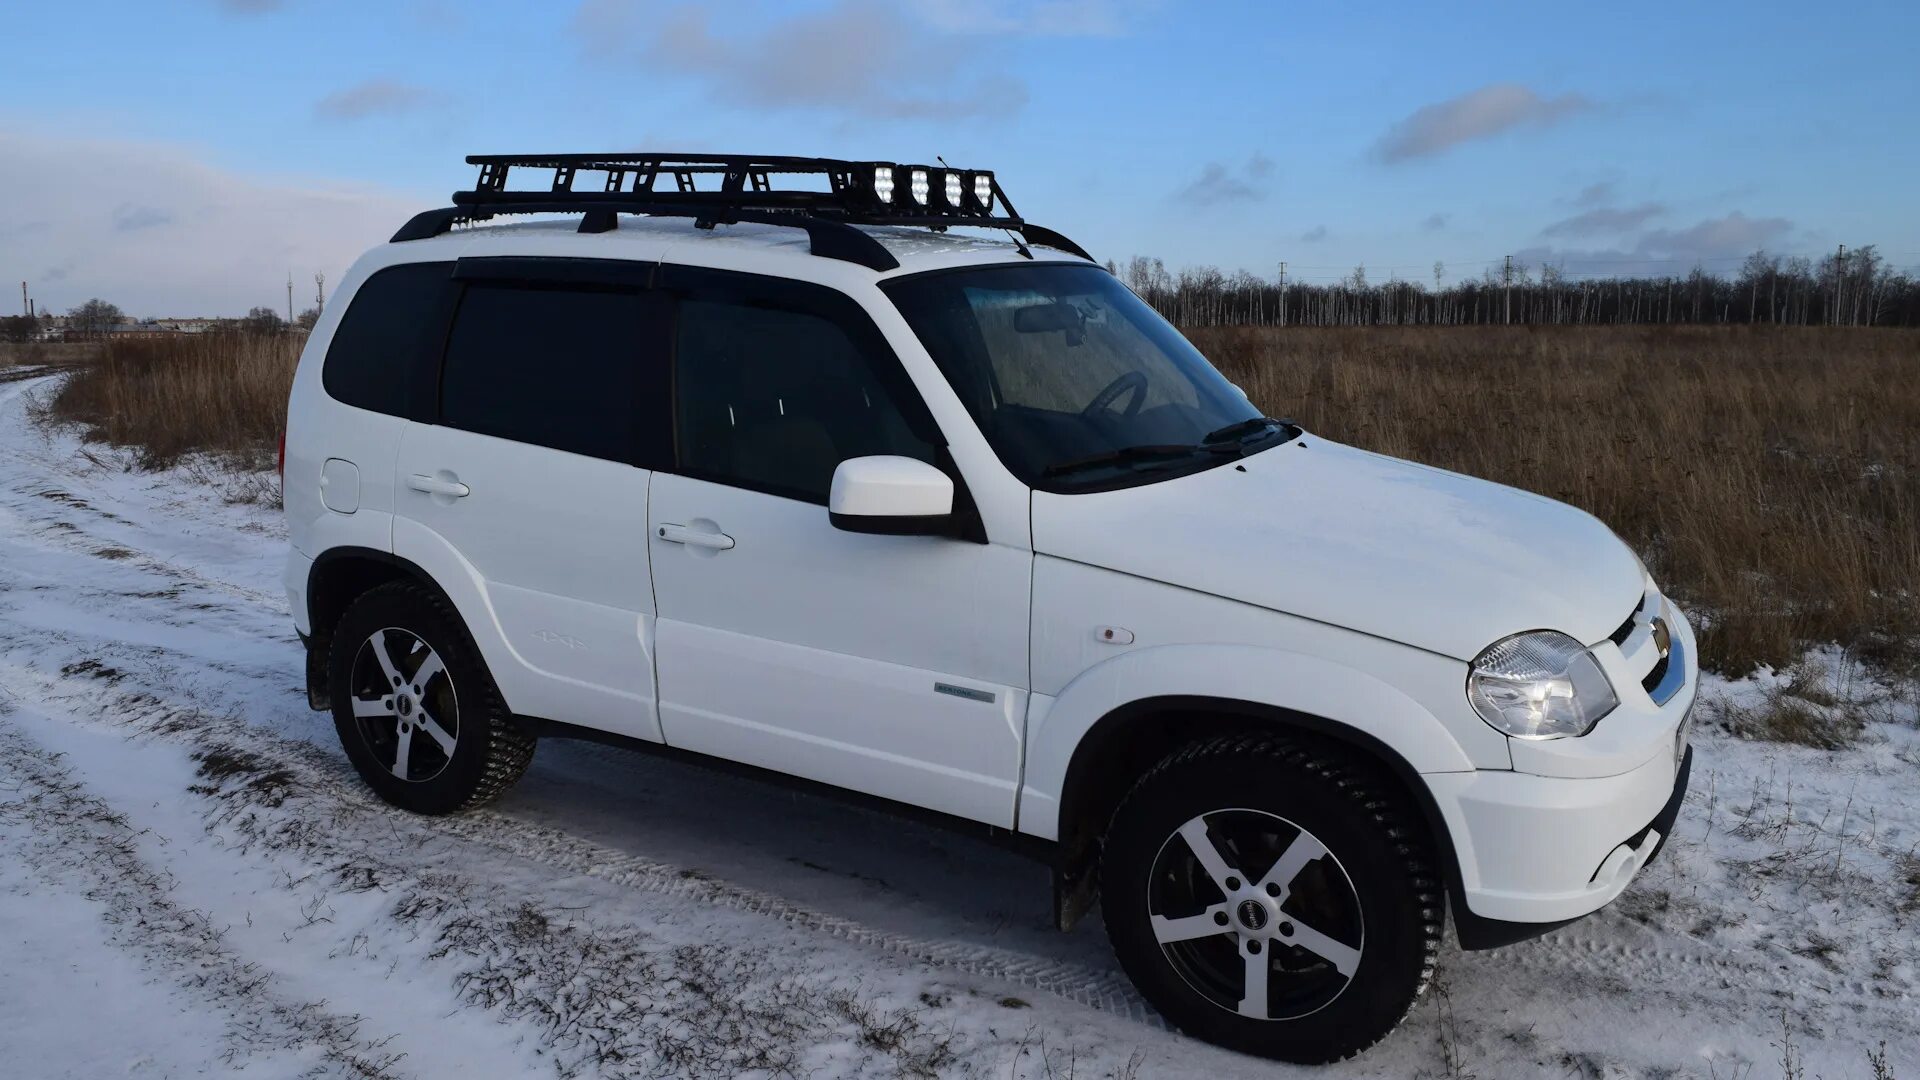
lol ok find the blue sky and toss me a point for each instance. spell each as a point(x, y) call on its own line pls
point(181, 157)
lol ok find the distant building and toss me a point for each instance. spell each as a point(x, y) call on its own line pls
point(191, 325)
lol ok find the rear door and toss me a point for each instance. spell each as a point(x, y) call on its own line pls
point(890, 665)
point(528, 491)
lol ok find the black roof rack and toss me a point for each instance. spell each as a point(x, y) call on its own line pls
point(740, 188)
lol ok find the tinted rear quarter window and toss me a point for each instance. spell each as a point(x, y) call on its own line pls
point(566, 368)
point(392, 331)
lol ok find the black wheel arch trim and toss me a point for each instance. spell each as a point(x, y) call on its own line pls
point(319, 638)
point(1072, 879)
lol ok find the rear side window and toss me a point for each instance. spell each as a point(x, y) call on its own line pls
point(566, 368)
point(392, 331)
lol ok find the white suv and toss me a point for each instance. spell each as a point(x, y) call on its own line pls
point(964, 525)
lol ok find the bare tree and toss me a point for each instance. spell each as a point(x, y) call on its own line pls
point(262, 320)
point(96, 316)
point(19, 328)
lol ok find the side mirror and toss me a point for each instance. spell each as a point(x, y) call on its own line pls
point(891, 496)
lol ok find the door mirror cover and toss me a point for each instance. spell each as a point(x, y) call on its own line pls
point(891, 495)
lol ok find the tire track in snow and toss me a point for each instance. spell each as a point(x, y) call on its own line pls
point(322, 773)
point(84, 839)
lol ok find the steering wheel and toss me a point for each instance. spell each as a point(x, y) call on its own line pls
point(1133, 382)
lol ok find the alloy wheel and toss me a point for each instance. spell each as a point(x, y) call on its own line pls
point(1256, 914)
point(404, 704)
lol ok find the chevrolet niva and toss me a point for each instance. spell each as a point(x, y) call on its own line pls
point(961, 524)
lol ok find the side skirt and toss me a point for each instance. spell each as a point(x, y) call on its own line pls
point(1031, 847)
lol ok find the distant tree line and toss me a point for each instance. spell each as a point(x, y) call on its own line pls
point(97, 318)
point(1855, 290)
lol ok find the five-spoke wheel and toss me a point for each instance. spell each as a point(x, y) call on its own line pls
point(415, 706)
point(400, 689)
point(1255, 914)
point(1272, 896)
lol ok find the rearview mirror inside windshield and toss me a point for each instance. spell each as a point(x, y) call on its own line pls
point(1045, 318)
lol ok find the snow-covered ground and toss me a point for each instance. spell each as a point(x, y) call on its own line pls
point(192, 881)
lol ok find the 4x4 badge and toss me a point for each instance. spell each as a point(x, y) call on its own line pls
point(552, 638)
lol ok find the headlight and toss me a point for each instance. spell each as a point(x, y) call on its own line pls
point(1539, 685)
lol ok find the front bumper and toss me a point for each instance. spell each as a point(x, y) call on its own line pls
point(1567, 830)
point(1518, 915)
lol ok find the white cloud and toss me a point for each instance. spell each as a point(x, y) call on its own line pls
point(1039, 18)
point(856, 57)
point(1478, 114)
point(1217, 183)
point(371, 98)
point(1722, 237)
point(1605, 219)
point(1595, 194)
point(128, 217)
point(1713, 241)
point(158, 231)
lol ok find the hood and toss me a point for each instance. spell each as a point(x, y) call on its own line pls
point(1418, 555)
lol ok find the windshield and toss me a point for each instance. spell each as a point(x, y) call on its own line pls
point(1076, 383)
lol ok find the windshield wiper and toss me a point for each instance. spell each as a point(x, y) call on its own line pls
point(1243, 428)
point(1126, 455)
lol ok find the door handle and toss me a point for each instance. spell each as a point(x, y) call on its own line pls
point(680, 534)
point(433, 485)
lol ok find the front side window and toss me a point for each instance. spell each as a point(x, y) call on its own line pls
point(558, 367)
point(1076, 383)
point(774, 399)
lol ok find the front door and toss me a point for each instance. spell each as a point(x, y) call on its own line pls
point(891, 665)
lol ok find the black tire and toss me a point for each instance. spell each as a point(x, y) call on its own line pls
point(1255, 797)
point(414, 625)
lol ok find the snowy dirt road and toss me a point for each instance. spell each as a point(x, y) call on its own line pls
point(192, 881)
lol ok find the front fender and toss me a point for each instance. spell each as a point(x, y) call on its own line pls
point(1336, 696)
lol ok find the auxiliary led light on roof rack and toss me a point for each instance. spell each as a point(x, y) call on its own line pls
point(883, 183)
point(953, 190)
point(920, 186)
point(983, 190)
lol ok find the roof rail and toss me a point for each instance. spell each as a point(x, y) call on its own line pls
point(857, 193)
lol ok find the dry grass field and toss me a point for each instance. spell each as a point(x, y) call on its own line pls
point(1770, 476)
point(40, 354)
point(224, 394)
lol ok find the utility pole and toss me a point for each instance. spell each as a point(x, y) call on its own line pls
point(1507, 278)
point(289, 297)
point(1283, 292)
point(26, 305)
point(319, 292)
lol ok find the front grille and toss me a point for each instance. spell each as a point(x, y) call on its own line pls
point(1658, 673)
point(1662, 680)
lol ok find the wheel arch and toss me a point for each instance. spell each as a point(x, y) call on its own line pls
point(338, 577)
point(1130, 738)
